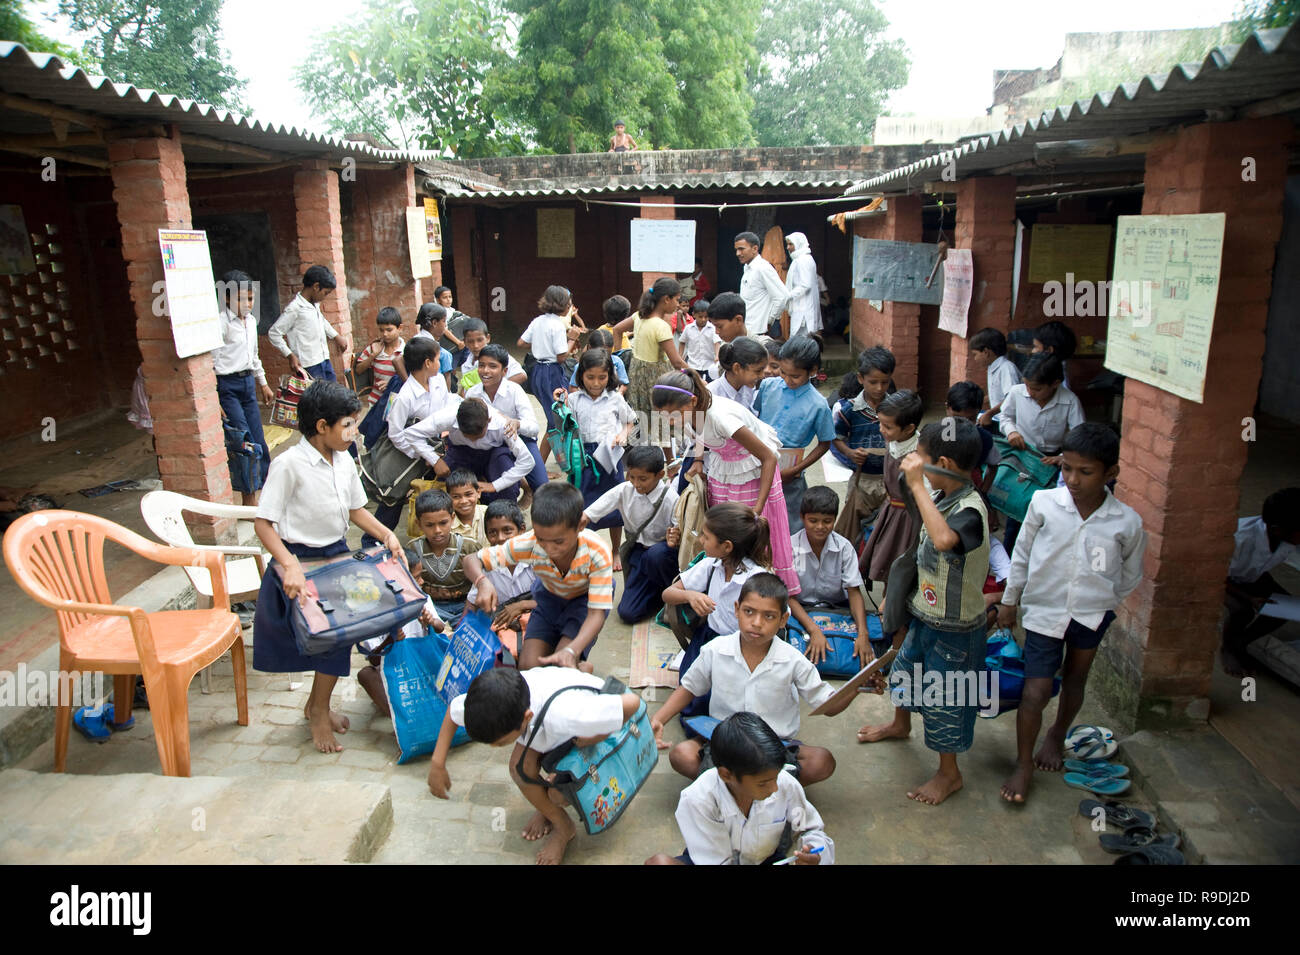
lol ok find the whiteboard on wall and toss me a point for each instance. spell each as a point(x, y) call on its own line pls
point(190, 292)
point(663, 245)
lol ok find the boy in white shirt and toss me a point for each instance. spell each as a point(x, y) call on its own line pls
point(477, 337)
point(829, 577)
point(477, 440)
point(1079, 554)
point(302, 334)
point(501, 709)
point(1262, 544)
point(700, 342)
point(751, 671)
point(746, 811)
point(988, 347)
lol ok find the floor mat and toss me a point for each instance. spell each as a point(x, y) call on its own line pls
point(652, 647)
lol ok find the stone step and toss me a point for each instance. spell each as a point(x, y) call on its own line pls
point(140, 818)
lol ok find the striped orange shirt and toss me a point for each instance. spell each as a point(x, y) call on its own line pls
point(591, 571)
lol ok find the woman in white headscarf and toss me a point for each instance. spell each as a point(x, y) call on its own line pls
point(805, 291)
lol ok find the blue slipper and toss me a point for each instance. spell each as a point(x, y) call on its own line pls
point(94, 728)
point(1096, 767)
point(109, 717)
point(1099, 785)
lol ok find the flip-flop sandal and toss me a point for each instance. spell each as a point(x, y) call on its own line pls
point(1117, 814)
point(1088, 729)
point(1099, 785)
point(1090, 742)
point(1096, 767)
point(1152, 855)
point(94, 728)
point(109, 716)
point(1136, 838)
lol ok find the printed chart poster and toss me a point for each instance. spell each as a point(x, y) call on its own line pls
point(555, 234)
point(896, 271)
point(190, 290)
point(15, 244)
point(1059, 250)
point(1162, 300)
point(417, 242)
point(958, 280)
point(663, 245)
point(433, 230)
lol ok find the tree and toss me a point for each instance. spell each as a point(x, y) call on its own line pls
point(411, 74)
point(673, 70)
point(173, 46)
point(17, 28)
point(825, 72)
point(1267, 15)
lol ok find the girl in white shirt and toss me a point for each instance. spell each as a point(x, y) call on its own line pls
point(743, 362)
point(547, 337)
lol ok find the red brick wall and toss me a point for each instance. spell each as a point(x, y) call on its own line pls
point(377, 254)
point(320, 237)
point(898, 327)
point(986, 224)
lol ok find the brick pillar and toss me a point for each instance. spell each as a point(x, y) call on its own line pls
point(986, 224)
point(320, 237)
point(150, 192)
point(656, 207)
point(1181, 461)
point(469, 287)
point(898, 327)
point(380, 263)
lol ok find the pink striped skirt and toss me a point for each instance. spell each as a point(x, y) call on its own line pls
point(778, 523)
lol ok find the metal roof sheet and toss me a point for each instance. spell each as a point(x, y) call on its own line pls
point(728, 180)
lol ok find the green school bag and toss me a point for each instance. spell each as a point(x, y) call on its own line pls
point(566, 442)
point(1019, 475)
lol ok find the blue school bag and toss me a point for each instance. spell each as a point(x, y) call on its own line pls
point(566, 441)
point(350, 599)
point(1018, 476)
point(244, 457)
point(599, 781)
point(471, 650)
point(410, 669)
point(840, 632)
point(1005, 662)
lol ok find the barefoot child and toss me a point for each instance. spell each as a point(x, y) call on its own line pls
point(514, 585)
point(828, 575)
point(441, 552)
point(312, 494)
point(746, 811)
point(466, 511)
point(501, 709)
point(1263, 543)
point(1079, 554)
point(575, 579)
point(945, 643)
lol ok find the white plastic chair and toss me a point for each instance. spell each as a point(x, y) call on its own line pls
point(163, 511)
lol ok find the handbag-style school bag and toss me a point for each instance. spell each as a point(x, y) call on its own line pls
point(284, 410)
point(841, 632)
point(599, 781)
point(1019, 475)
point(688, 517)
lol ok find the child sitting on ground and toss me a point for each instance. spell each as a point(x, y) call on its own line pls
point(575, 579)
point(441, 552)
point(829, 578)
point(945, 643)
point(751, 668)
point(646, 502)
point(477, 337)
point(1262, 544)
point(1078, 556)
point(746, 811)
point(467, 513)
point(502, 708)
point(514, 585)
point(477, 439)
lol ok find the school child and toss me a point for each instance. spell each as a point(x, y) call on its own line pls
point(514, 585)
point(857, 431)
point(431, 322)
point(646, 503)
point(614, 310)
point(575, 579)
point(894, 531)
point(506, 396)
point(476, 439)
point(467, 514)
point(742, 362)
point(603, 338)
point(452, 338)
point(828, 574)
point(547, 338)
point(1039, 412)
point(441, 552)
point(1262, 544)
point(727, 316)
point(382, 356)
point(604, 417)
point(477, 337)
point(791, 404)
point(746, 811)
point(988, 347)
point(312, 495)
point(965, 399)
point(748, 669)
point(737, 454)
point(1067, 593)
point(301, 333)
point(700, 341)
point(945, 643)
point(773, 347)
point(654, 352)
point(1056, 338)
point(237, 366)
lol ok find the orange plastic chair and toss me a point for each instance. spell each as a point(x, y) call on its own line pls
point(58, 558)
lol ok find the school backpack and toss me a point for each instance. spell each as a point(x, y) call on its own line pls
point(566, 442)
point(688, 517)
point(387, 473)
point(245, 460)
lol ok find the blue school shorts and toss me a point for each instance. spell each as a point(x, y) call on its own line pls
point(1043, 654)
point(556, 618)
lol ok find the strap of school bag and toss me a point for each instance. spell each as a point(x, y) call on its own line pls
point(634, 533)
point(537, 728)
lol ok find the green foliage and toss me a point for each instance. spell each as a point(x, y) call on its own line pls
point(173, 46)
point(411, 74)
point(825, 72)
point(1264, 15)
point(17, 27)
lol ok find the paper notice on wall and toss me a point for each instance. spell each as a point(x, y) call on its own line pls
point(1162, 298)
point(663, 245)
point(1058, 250)
point(433, 230)
point(555, 234)
point(190, 291)
point(417, 241)
point(896, 271)
point(958, 280)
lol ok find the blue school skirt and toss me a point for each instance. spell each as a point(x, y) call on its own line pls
point(274, 648)
point(593, 487)
point(545, 378)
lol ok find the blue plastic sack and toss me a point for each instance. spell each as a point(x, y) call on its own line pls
point(409, 671)
point(472, 649)
point(840, 632)
point(1005, 661)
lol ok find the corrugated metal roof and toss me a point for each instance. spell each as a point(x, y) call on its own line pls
point(728, 180)
point(1263, 68)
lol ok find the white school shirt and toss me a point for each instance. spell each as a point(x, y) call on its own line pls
point(238, 351)
point(764, 293)
point(700, 345)
point(723, 419)
point(1043, 427)
point(574, 714)
point(723, 592)
point(512, 402)
point(419, 435)
point(508, 582)
point(1065, 568)
point(717, 833)
point(637, 508)
point(999, 560)
point(827, 579)
point(599, 419)
point(1003, 375)
point(723, 389)
point(547, 337)
point(772, 690)
point(307, 499)
point(414, 401)
point(1251, 557)
point(302, 330)
point(512, 367)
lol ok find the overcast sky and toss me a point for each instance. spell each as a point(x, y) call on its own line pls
point(955, 44)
